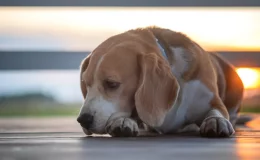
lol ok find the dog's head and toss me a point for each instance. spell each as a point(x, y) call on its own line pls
point(127, 75)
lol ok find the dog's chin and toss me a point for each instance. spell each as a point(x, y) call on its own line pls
point(90, 132)
point(87, 132)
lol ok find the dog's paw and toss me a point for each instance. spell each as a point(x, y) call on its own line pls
point(216, 127)
point(122, 127)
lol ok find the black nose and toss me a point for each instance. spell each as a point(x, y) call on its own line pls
point(85, 120)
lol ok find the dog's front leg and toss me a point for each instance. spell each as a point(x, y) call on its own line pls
point(216, 125)
point(122, 127)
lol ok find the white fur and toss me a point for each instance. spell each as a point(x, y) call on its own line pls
point(214, 113)
point(189, 128)
point(122, 123)
point(192, 105)
point(216, 122)
point(101, 109)
point(96, 105)
point(181, 61)
point(193, 101)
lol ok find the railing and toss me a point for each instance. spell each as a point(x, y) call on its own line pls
point(23, 60)
point(157, 3)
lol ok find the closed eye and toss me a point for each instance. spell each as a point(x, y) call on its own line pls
point(111, 85)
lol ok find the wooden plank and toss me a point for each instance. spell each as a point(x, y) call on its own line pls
point(58, 144)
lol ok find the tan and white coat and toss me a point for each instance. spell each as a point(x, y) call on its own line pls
point(188, 86)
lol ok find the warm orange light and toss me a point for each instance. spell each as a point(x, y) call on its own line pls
point(83, 28)
point(250, 77)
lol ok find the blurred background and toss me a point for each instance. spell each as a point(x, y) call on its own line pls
point(41, 49)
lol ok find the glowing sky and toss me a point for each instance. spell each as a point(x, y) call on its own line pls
point(36, 28)
point(83, 28)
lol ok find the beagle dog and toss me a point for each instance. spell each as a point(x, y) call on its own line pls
point(162, 79)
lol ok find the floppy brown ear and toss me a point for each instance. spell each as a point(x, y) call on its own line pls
point(83, 67)
point(157, 90)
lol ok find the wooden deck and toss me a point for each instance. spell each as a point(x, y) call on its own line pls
point(61, 138)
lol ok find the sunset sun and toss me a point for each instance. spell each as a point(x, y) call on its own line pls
point(250, 77)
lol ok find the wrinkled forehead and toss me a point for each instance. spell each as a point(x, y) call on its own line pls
point(118, 63)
